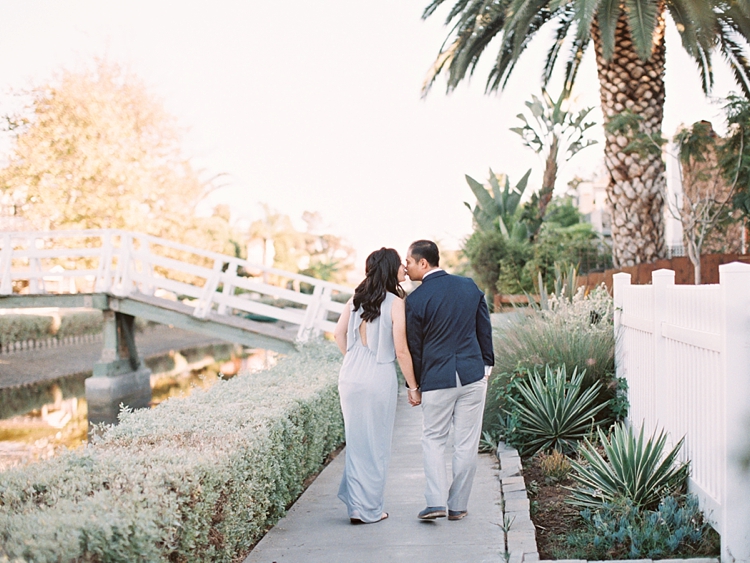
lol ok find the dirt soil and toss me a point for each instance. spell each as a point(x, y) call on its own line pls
point(553, 518)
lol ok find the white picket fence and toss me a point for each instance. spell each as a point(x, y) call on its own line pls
point(123, 264)
point(685, 352)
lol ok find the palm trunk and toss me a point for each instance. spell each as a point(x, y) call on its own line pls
point(549, 179)
point(636, 182)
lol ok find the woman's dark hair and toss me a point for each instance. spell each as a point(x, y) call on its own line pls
point(381, 276)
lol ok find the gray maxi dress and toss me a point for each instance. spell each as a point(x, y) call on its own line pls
point(368, 390)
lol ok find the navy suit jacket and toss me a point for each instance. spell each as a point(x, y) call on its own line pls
point(448, 330)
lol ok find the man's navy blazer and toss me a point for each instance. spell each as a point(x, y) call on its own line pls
point(448, 329)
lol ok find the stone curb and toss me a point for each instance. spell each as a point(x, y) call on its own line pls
point(519, 530)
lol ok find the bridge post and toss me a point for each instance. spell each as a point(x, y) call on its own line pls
point(120, 376)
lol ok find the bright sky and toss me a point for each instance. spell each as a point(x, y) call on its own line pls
point(316, 105)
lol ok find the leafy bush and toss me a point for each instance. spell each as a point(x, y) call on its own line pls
point(194, 479)
point(633, 469)
point(576, 333)
point(485, 249)
point(620, 530)
point(80, 322)
point(16, 328)
point(554, 413)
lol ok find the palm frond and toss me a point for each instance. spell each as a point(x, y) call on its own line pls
point(508, 57)
point(435, 4)
point(521, 16)
point(577, 50)
point(566, 21)
point(736, 57)
point(642, 18)
point(702, 18)
point(609, 13)
point(585, 10)
point(462, 38)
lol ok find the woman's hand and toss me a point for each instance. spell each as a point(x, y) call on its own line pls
point(414, 396)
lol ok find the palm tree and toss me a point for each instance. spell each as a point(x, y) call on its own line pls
point(628, 38)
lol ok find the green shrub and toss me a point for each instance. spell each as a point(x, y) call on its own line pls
point(620, 530)
point(193, 479)
point(634, 469)
point(79, 322)
point(18, 328)
point(552, 413)
point(577, 334)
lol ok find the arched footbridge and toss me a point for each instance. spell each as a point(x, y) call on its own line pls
point(129, 275)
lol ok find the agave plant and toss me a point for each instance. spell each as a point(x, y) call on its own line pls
point(633, 469)
point(554, 413)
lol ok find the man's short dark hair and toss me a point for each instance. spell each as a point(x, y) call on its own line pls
point(425, 249)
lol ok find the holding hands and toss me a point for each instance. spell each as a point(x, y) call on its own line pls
point(414, 396)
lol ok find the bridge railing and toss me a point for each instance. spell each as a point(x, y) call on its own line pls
point(123, 264)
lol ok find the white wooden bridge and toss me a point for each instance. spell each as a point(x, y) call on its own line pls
point(166, 282)
point(130, 275)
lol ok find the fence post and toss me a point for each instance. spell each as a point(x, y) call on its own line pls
point(311, 314)
point(205, 301)
point(662, 281)
point(103, 281)
point(35, 267)
point(734, 279)
point(228, 290)
point(619, 283)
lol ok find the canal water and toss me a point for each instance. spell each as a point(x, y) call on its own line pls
point(44, 432)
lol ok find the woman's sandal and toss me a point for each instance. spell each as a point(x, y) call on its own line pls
point(359, 521)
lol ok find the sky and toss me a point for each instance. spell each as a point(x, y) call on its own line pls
point(317, 106)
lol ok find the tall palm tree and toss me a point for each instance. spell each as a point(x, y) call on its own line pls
point(628, 39)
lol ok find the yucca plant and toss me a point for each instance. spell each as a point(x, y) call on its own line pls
point(633, 469)
point(554, 413)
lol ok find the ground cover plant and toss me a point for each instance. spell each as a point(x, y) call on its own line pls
point(194, 479)
point(674, 529)
point(632, 495)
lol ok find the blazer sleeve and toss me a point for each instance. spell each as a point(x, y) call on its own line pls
point(484, 332)
point(414, 339)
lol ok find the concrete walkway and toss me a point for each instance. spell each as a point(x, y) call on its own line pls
point(317, 529)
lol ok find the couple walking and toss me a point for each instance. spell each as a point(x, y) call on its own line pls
point(442, 339)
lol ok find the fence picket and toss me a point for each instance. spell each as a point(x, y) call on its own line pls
point(685, 352)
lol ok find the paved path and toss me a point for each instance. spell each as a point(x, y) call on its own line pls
point(317, 529)
point(41, 364)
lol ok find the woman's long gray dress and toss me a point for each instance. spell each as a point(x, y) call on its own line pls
point(368, 390)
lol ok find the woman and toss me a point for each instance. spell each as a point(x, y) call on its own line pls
point(371, 333)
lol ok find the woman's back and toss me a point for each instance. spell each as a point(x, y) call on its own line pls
point(375, 335)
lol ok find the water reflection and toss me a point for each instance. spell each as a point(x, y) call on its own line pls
point(41, 433)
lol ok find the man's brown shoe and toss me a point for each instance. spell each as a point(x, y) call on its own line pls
point(457, 514)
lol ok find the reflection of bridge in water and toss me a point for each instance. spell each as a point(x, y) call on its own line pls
point(128, 275)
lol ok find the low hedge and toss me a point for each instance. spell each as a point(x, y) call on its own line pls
point(194, 479)
point(17, 328)
point(21, 327)
point(77, 323)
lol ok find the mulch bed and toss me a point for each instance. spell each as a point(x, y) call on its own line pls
point(552, 516)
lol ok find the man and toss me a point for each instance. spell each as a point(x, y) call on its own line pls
point(450, 339)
